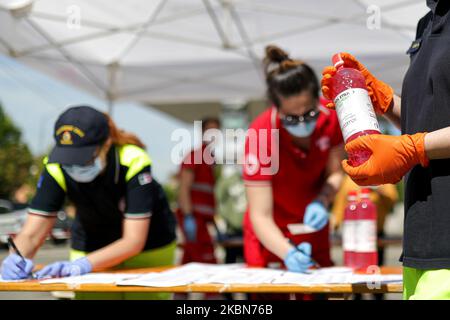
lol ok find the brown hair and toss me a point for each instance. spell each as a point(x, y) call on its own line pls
point(207, 120)
point(121, 137)
point(287, 77)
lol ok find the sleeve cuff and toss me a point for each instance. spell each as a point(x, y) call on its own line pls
point(42, 213)
point(137, 216)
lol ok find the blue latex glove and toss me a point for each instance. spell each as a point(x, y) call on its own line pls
point(297, 261)
point(15, 268)
point(190, 227)
point(65, 269)
point(316, 215)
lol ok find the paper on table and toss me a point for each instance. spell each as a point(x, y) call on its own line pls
point(335, 278)
point(313, 278)
point(92, 278)
point(332, 270)
point(200, 273)
point(374, 278)
point(163, 279)
point(20, 280)
point(187, 274)
point(243, 276)
point(208, 267)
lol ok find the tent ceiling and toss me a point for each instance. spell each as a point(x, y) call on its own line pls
point(172, 52)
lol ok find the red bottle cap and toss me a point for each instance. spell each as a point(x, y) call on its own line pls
point(337, 60)
point(352, 195)
point(365, 192)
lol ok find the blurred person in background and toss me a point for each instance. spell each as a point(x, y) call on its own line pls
point(196, 201)
point(303, 176)
point(122, 216)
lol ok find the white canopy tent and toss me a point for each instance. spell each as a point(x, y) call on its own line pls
point(186, 56)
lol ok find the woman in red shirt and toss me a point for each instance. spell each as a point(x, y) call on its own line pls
point(291, 171)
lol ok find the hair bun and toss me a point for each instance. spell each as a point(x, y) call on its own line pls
point(276, 54)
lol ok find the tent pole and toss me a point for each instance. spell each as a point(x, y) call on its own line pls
point(111, 93)
point(110, 107)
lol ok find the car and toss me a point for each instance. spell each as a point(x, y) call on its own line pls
point(12, 218)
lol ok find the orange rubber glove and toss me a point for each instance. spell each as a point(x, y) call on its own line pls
point(380, 93)
point(392, 157)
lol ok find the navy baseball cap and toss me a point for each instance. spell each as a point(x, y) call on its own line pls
point(79, 131)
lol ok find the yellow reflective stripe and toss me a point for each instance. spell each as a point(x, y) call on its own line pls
point(134, 158)
point(54, 169)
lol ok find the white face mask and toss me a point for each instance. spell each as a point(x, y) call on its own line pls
point(85, 174)
point(302, 129)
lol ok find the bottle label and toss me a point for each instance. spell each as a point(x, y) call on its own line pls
point(366, 236)
point(349, 235)
point(355, 112)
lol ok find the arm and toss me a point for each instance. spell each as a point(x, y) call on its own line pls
point(184, 198)
point(437, 144)
point(33, 234)
point(393, 114)
point(334, 176)
point(260, 202)
point(133, 240)
point(393, 156)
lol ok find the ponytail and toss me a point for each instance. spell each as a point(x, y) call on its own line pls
point(121, 137)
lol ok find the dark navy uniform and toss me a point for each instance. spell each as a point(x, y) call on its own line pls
point(126, 190)
point(426, 108)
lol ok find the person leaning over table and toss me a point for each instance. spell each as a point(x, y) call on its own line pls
point(122, 217)
point(421, 154)
point(299, 183)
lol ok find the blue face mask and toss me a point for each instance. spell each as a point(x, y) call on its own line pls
point(302, 129)
point(85, 174)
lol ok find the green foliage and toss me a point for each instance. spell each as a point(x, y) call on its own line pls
point(171, 194)
point(401, 190)
point(15, 157)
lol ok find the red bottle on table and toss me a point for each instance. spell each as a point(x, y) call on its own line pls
point(353, 107)
point(366, 254)
point(349, 230)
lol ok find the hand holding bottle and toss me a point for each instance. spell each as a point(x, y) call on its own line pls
point(380, 93)
point(392, 157)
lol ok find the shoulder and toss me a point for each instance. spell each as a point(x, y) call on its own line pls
point(52, 172)
point(135, 159)
point(265, 120)
point(328, 125)
point(423, 23)
point(192, 158)
point(328, 117)
point(130, 154)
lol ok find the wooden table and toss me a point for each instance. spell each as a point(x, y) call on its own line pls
point(331, 289)
point(383, 242)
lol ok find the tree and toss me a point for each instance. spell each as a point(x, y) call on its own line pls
point(15, 157)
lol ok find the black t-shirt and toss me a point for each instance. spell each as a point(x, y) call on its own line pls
point(120, 192)
point(425, 108)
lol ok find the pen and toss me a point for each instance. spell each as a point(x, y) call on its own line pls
point(316, 264)
point(16, 250)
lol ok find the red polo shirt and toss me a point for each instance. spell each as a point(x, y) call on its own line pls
point(296, 177)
